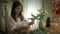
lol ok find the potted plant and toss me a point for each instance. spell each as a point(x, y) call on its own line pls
point(42, 15)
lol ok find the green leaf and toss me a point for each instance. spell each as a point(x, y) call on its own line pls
point(33, 15)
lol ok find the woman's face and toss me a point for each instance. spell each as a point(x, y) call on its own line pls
point(18, 9)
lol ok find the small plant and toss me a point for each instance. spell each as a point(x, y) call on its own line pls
point(40, 16)
point(41, 30)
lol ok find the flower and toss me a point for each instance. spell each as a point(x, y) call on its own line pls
point(56, 11)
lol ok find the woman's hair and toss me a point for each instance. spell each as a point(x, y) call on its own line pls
point(13, 14)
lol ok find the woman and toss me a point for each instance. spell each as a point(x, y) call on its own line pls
point(16, 21)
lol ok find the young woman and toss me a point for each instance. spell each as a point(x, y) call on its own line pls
point(16, 21)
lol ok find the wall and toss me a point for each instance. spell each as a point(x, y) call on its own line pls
point(2, 16)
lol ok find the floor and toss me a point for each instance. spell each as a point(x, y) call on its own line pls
point(55, 27)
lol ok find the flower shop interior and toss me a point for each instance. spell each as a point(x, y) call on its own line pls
point(44, 16)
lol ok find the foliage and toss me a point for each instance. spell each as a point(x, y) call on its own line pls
point(41, 30)
point(42, 14)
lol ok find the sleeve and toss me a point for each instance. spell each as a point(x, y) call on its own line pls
point(10, 25)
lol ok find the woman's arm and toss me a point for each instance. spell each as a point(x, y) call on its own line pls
point(10, 25)
point(25, 26)
point(27, 23)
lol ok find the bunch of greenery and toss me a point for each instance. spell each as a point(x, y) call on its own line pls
point(40, 16)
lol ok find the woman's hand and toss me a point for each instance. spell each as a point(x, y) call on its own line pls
point(16, 29)
point(20, 29)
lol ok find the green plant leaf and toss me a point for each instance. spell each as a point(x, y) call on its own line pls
point(42, 14)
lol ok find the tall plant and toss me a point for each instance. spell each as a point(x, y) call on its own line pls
point(40, 16)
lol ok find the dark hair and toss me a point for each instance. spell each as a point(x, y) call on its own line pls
point(13, 14)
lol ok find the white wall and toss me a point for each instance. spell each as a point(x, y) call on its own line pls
point(31, 6)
